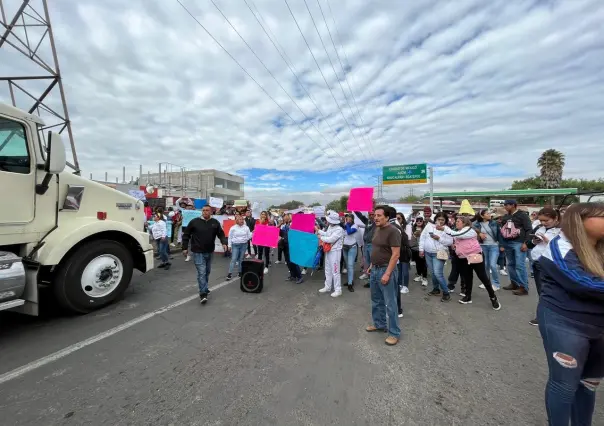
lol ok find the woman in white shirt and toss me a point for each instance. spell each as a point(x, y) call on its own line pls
point(434, 247)
point(239, 235)
point(547, 228)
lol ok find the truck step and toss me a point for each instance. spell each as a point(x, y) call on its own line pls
point(12, 304)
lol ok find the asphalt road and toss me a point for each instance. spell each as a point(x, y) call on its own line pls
point(287, 356)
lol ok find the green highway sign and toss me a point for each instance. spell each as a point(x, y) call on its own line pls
point(405, 174)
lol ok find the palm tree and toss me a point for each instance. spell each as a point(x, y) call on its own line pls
point(551, 163)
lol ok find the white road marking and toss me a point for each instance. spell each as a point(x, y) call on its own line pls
point(18, 372)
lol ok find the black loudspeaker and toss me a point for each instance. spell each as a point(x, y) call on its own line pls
point(252, 276)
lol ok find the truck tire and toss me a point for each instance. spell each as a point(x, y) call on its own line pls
point(93, 276)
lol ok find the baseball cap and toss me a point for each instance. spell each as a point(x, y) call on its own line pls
point(510, 202)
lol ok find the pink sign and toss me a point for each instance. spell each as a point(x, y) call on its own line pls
point(303, 222)
point(265, 236)
point(360, 199)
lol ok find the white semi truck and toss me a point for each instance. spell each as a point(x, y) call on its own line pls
point(78, 237)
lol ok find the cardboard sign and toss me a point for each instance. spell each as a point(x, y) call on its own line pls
point(319, 211)
point(189, 215)
point(302, 247)
point(303, 222)
point(265, 236)
point(227, 224)
point(216, 202)
point(360, 199)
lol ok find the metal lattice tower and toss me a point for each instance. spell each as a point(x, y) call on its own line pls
point(26, 36)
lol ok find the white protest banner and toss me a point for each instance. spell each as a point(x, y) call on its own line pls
point(319, 211)
point(216, 202)
point(137, 193)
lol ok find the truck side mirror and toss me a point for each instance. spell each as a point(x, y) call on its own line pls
point(55, 161)
point(55, 156)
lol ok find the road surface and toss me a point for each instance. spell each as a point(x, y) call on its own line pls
point(287, 356)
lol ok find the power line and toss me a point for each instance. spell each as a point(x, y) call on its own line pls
point(250, 76)
point(273, 76)
point(323, 75)
point(372, 148)
point(330, 61)
point(287, 62)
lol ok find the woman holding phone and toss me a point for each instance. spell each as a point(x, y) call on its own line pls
point(543, 233)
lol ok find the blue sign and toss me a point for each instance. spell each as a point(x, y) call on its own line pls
point(189, 215)
point(303, 247)
point(199, 203)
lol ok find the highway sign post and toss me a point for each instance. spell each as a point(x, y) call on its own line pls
point(408, 174)
point(405, 174)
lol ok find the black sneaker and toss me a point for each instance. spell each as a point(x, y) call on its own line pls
point(167, 266)
point(351, 288)
point(495, 303)
point(366, 285)
point(434, 293)
point(534, 322)
point(446, 297)
point(451, 288)
point(465, 301)
point(203, 298)
point(161, 265)
point(229, 276)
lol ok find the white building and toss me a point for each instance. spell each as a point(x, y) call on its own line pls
point(197, 184)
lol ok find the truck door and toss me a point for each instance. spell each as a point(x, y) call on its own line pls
point(17, 174)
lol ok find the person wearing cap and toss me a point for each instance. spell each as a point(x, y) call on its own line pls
point(515, 232)
point(350, 248)
point(334, 235)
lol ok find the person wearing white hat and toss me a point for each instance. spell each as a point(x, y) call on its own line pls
point(334, 235)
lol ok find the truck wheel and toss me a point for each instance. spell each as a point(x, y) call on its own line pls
point(93, 276)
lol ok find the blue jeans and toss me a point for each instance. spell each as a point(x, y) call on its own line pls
point(575, 357)
point(491, 256)
point(437, 267)
point(237, 256)
point(163, 247)
point(403, 274)
point(367, 250)
point(516, 260)
point(383, 300)
point(203, 264)
point(350, 255)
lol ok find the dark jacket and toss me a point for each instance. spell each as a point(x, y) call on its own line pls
point(567, 287)
point(493, 227)
point(251, 223)
point(202, 234)
point(521, 221)
point(405, 248)
point(369, 227)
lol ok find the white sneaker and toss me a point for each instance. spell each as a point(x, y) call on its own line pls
point(172, 245)
point(425, 282)
point(336, 294)
point(404, 290)
point(417, 279)
point(481, 286)
point(503, 272)
point(303, 271)
point(495, 288)
point(364, 277)
point(266, 270)
point(277, 262)
point(188, 259)
point(400, 315)
point(344, 271)
point(412, 263)
point(324, 290)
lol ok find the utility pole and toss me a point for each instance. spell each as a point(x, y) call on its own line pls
point(20, 32)
point(431, 188)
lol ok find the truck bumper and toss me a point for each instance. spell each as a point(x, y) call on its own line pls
point(149, 260)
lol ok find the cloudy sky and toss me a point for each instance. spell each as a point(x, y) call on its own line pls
point(476, 88)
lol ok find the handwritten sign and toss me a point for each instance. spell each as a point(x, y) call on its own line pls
point(319, 211)
point(303, 222)
point(302, 247)
point(189, 215)
point(265, 236)
point(216, 202)
point(360, 199)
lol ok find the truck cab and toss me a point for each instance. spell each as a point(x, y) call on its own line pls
point(57, 229)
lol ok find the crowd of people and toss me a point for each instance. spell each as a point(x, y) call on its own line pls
point(565, 255)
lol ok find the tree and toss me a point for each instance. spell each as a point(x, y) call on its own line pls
point(339, 205)
point(551, 164)
point(315, 204)
point(409, 199)
point(290, 205)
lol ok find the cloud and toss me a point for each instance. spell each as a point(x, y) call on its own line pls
point(477, 89)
